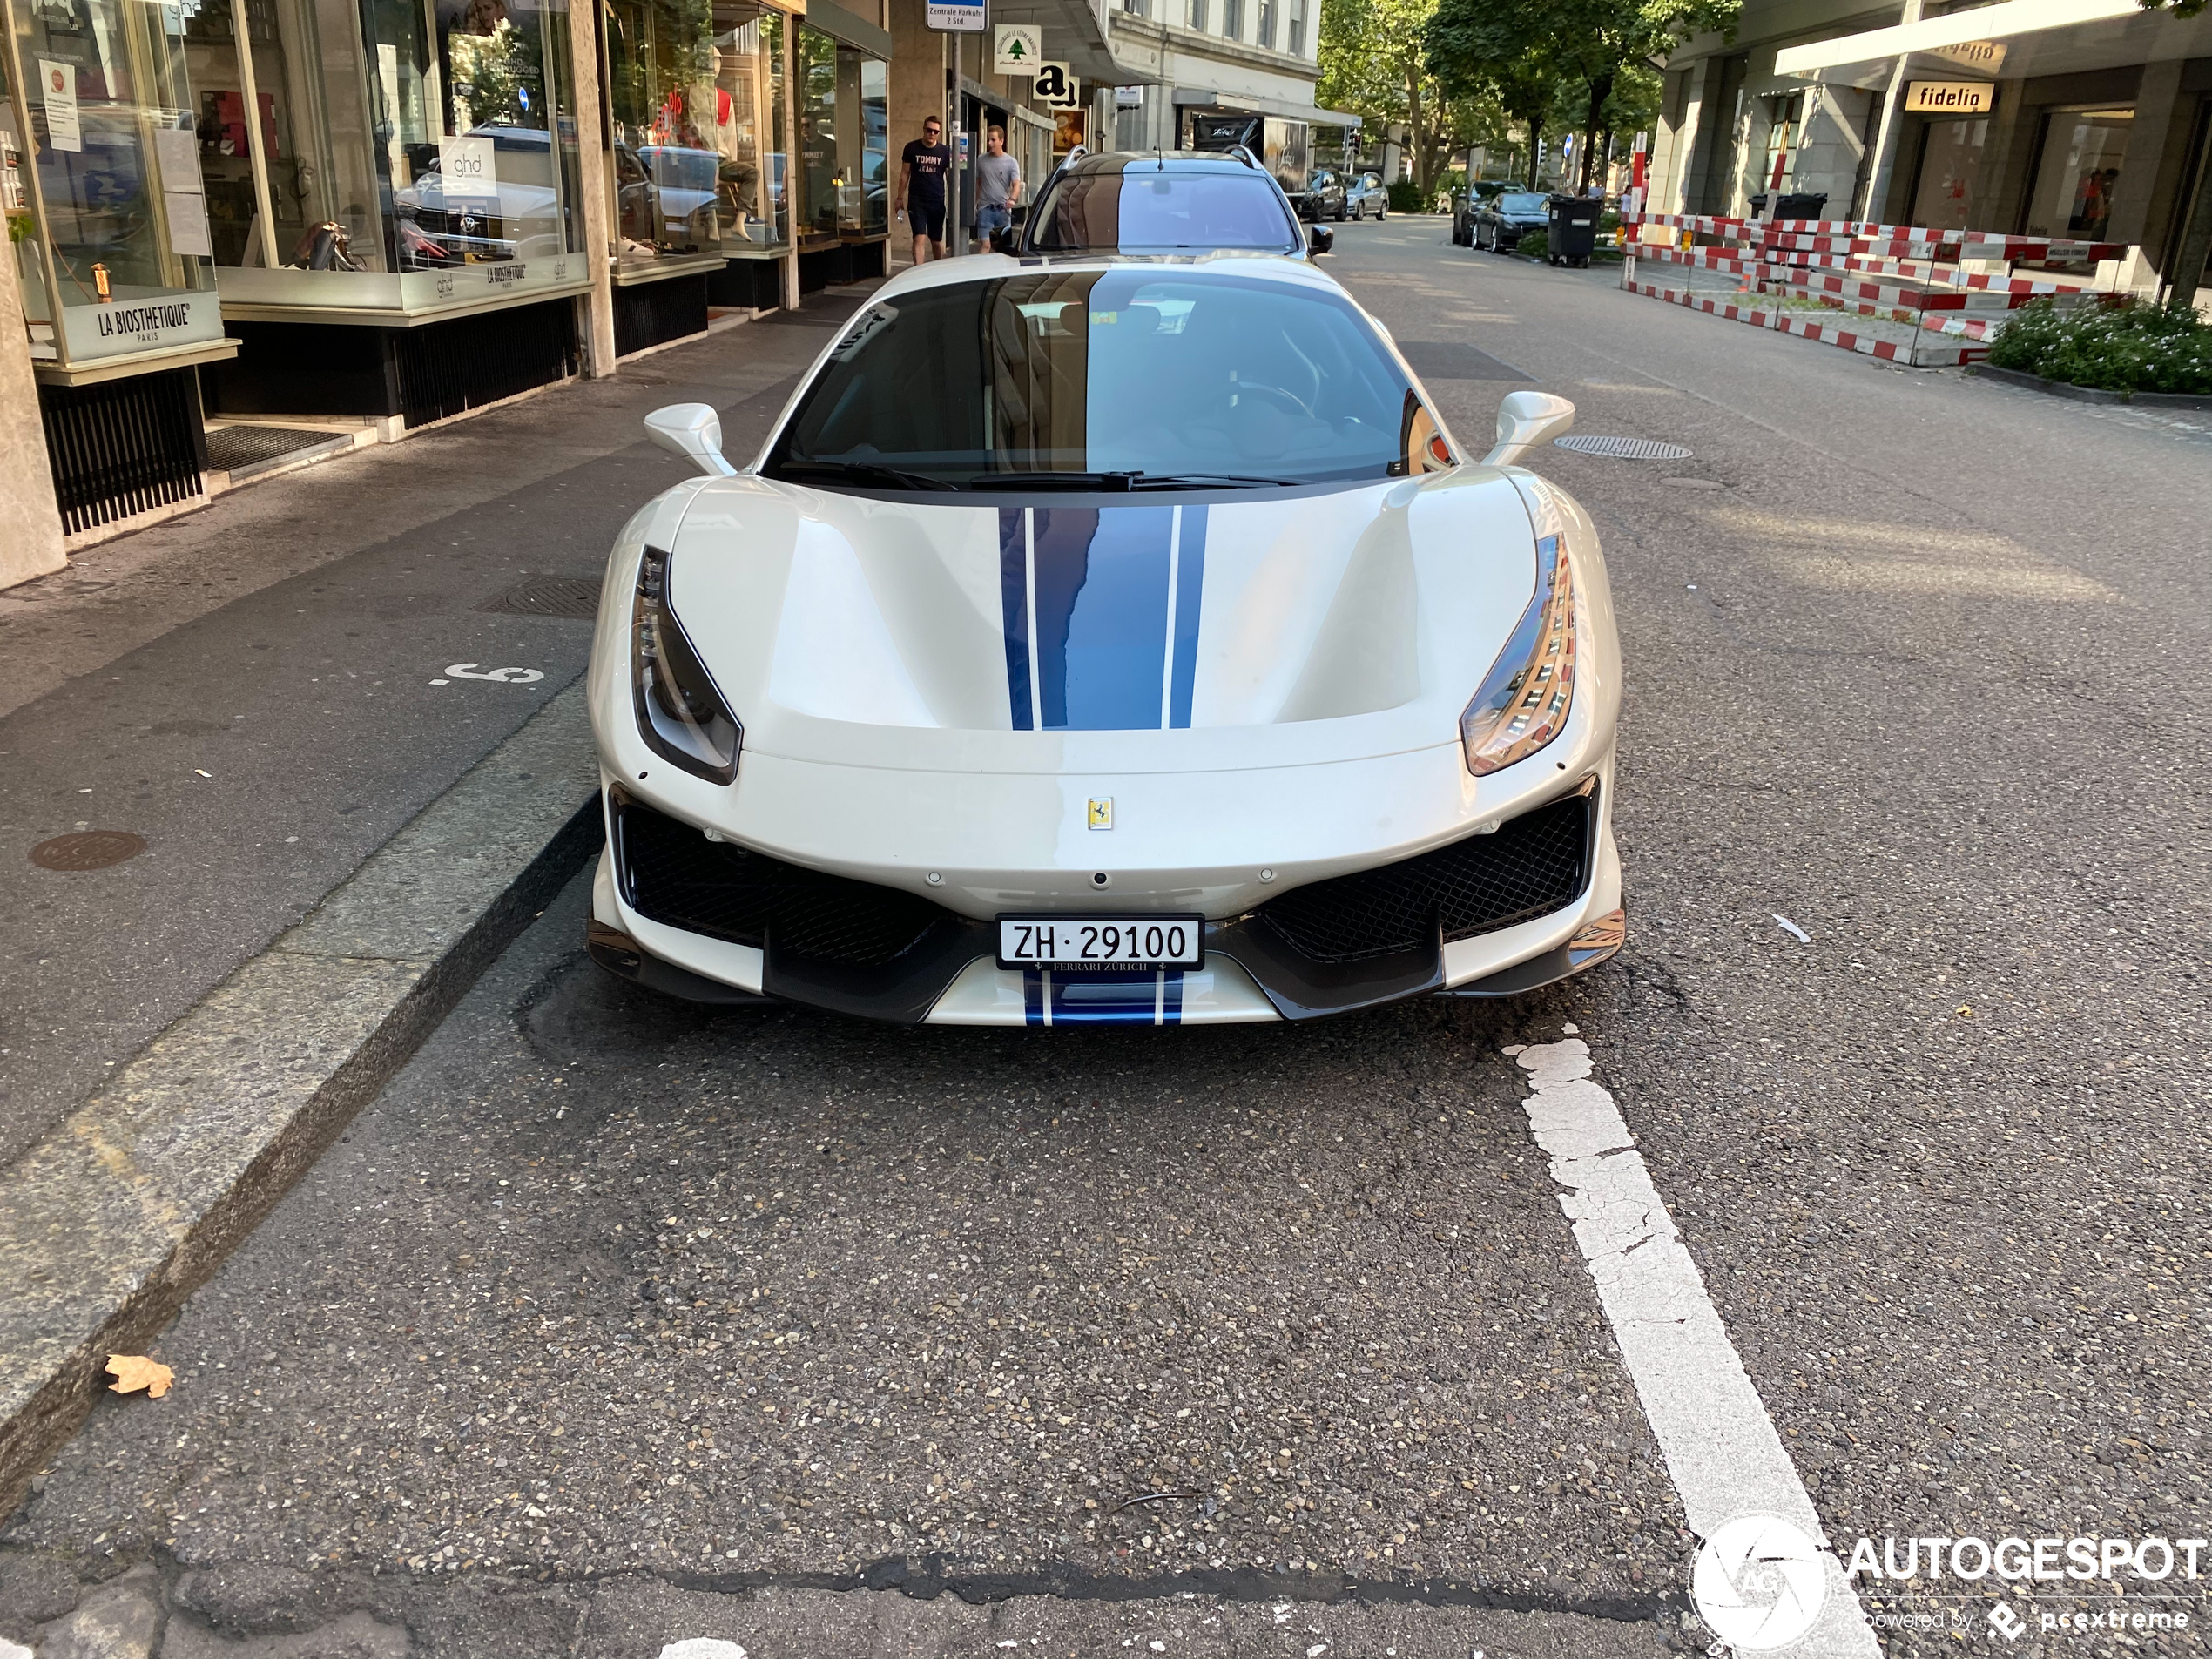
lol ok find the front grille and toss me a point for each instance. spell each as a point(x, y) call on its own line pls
point(1529, 867)
point(673, 874)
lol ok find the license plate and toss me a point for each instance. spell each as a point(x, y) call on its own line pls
point(1075, 943)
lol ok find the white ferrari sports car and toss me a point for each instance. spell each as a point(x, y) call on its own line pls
point(1102, 639)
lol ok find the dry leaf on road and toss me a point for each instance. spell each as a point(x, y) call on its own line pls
point(132, 1371)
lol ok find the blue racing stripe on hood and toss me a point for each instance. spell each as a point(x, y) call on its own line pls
point(1190, 585)
point(1101, 608)
point(1013, 597)
point(1102, 600)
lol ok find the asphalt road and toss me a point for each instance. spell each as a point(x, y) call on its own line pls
point(613, 1323)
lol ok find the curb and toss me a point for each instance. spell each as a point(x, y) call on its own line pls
point(2089, 393)
point(117, 1216)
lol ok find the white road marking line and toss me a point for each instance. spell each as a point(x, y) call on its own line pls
point(1721, 1451)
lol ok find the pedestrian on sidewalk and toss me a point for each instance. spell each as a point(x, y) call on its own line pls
point(998, 186)
point(924, 165)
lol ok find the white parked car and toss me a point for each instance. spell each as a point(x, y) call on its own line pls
point(1107, 640)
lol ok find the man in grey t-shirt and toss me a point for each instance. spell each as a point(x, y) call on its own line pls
point(998, 186)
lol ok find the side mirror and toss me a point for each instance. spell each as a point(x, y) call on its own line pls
point(1003, 240)
point(694, 431)
point(1526, 419)
point(1319, 241)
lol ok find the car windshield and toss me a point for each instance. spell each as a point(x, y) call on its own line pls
point(1521, 203)
point(1120, 379)
point(1147, 211)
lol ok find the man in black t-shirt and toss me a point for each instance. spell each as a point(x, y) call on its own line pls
point(924, 166)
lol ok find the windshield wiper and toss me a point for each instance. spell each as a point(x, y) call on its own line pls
point(1202, 480)
point(855, 471)
point(1055, 481)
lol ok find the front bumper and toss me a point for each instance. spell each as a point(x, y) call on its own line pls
point(1494, 914)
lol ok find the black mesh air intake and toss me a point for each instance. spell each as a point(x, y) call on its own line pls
point(673, 874)
point(1528, 867)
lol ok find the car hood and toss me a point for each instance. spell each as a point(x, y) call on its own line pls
point(1166, 633)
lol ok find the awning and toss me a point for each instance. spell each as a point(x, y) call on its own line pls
point(1206, 99)
point(1999, 21)
point(1072, 36)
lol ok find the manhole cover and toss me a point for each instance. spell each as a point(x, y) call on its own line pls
point(87, 850)
point(1622, 448)
point(574, 596)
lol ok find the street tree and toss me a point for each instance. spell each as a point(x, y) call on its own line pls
point(1527, 50)
point(1373, 63)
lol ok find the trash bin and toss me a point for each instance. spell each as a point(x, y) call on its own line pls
point(1571, 228)
point(1796, 205)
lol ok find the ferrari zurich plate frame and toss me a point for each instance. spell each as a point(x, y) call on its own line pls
point(1107, 640)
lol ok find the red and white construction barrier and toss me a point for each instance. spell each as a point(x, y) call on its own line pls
point(1896, 274)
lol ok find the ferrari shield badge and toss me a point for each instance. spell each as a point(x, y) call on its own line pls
point(1101, 812)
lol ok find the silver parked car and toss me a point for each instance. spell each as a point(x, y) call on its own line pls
point(1367, 193)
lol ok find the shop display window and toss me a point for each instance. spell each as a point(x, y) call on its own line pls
point(695, 93)
point(100, 182)
point(373, 155)
point(843, 127)
point(1948, 197)
point(2078, 173)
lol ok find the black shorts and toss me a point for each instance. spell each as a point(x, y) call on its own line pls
point(927, 220)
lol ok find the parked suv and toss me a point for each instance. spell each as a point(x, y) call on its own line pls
point(1368, 195)
point(1325, 195)
point(1174, 201)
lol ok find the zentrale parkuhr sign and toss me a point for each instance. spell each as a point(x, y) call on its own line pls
point(1950, 98)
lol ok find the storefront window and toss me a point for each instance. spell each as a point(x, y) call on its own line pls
point(842, 129)
point(696, 90)
point(1949, 194)
point(2078, 173)
point(749, 139)
point(101, 183)
point(402, 154)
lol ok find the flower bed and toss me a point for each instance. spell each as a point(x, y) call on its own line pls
point(2116, 345)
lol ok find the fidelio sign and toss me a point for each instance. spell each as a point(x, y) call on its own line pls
point(1950, 98)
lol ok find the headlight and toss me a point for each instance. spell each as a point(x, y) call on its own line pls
point(680, 715)
point(1525, 698)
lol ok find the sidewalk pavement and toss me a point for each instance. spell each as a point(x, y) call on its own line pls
point(251, 689)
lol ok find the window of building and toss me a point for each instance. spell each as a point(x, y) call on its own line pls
point(2078, 173)
point(842, 131)
point(1232, 19)
point(1297, 28)
point(1267, 11)
point(101, 183)
point(1197, 15)
point(400, 154)
point(1947, 195)
point(695, 91)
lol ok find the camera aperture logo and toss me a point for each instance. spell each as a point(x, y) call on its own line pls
point(1758, 1582)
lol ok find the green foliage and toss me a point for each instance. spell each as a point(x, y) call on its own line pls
point(1373, 63)
point(1537, 245)
point(1538, 58)
point(1406, 197)
point(2182, 7)
point(2120, 345)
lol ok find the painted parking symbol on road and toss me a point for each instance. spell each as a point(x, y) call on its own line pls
point(497, 676)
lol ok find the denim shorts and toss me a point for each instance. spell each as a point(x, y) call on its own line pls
point(992, 216)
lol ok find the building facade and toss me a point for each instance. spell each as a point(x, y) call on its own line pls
point(2078, 119)
point(1188, 60)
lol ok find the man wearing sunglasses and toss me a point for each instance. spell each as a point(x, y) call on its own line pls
point(924, 165)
